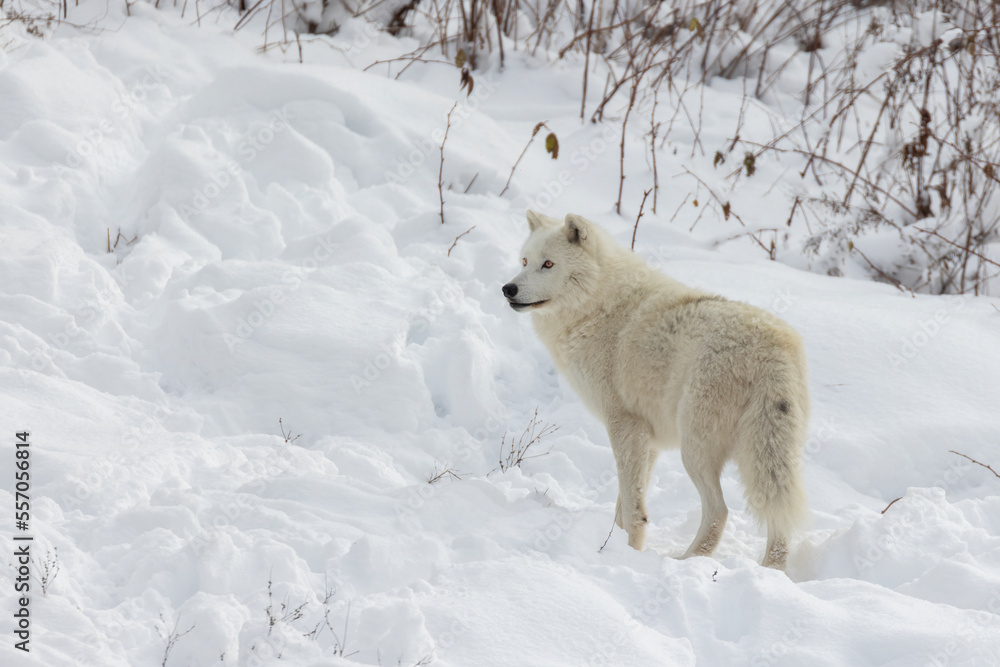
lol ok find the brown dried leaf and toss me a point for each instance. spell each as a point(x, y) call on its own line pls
point(552, 145)
point(466, 80)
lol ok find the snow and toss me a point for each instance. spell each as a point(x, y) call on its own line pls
point(289, 262)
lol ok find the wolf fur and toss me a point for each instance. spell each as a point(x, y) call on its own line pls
point(664, 365)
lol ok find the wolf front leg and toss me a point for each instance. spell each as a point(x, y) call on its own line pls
point(634, 457)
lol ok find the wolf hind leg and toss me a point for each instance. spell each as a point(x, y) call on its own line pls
point(705, 471)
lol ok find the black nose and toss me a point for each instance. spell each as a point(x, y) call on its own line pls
point(510, 290)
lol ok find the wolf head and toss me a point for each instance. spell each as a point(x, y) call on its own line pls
point(560, 264)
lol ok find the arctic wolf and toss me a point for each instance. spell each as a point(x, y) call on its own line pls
point(665, 365)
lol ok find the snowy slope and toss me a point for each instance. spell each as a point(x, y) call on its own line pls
point(289, 262)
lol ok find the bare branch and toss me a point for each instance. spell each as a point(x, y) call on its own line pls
point(976, 462)
point(455, 242)
point(441, 168)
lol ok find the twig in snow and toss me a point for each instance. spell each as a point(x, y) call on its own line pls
point(441, 168)
point(466, 190)
point(288, 612)
point(727, 211)
point(960, 247)
point(891, 504)
point(437, 476)
point(621, 161)
point(586, 57)
point(518, 451)
point(877, 270)
point(171, 639)
point(791, 215)
point(287, 436)
point(654, 129)
point(636, 228)
point(329, 591)
point(609, 534)
point(976, 462)
point(118, 239)
point(49, 569)
point(455, 242)
point(538, 127)
point(339, 647)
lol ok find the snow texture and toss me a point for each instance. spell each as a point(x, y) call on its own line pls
point(281, 256)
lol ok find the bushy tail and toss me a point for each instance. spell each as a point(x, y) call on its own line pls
point(772, 432)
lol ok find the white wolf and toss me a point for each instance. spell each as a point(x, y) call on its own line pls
point(664, 365)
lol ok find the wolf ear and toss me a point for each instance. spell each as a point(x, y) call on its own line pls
point(535, 220)
point(577, 229)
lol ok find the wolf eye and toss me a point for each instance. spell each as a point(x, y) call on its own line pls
point(548, 264)
point(524, 261)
